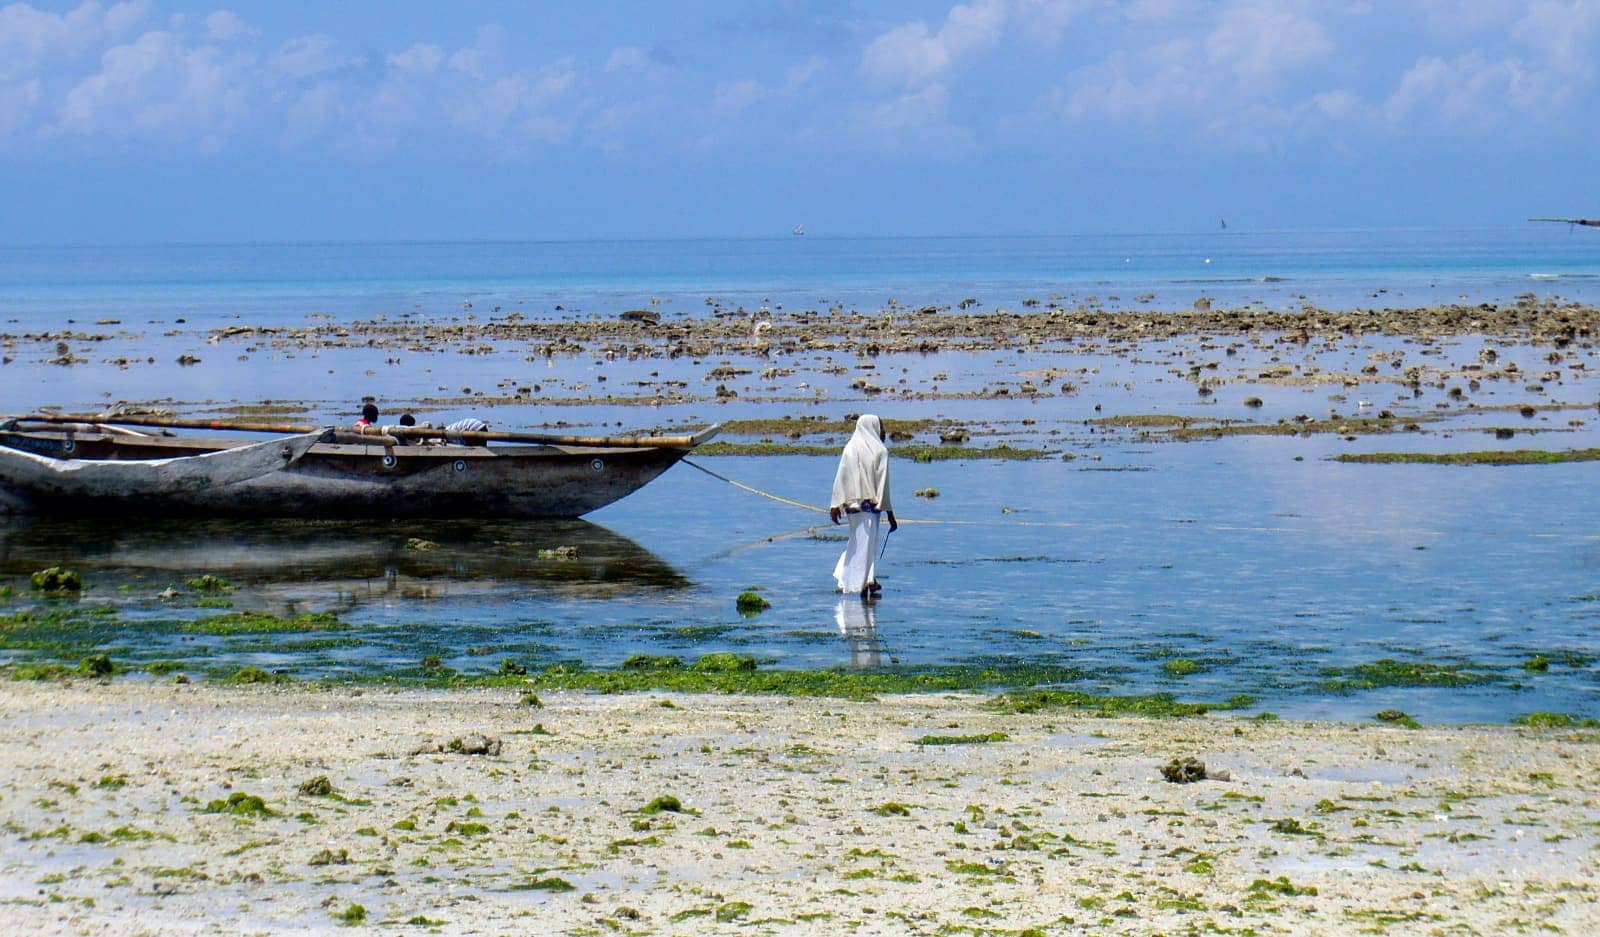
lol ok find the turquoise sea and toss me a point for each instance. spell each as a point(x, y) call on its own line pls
point(284, 283)
point(1278, 573)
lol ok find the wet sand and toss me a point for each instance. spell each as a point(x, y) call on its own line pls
point(771, 815)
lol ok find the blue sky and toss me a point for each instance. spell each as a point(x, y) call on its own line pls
point(159, 120)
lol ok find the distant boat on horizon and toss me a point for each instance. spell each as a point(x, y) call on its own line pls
point(1583, 222)
point(799, 230)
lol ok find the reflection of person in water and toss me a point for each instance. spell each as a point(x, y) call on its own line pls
point(858, 625)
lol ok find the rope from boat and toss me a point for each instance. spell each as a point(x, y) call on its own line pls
point(1060, 525)
point(756, 491)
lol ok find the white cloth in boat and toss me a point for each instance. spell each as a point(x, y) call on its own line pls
point(452, 433)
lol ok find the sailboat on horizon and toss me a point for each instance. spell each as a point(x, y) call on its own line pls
point(799, 230)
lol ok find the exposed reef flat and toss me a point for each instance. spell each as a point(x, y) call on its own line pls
point(157, 809)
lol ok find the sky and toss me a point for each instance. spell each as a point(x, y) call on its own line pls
point(155, 121)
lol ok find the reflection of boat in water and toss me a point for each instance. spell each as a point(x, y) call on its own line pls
point(342, 556)
point(63, 466)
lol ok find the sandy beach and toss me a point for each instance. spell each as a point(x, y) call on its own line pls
point(131, 808)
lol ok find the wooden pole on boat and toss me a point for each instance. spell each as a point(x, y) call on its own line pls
point(387, 432)
point(166, 423)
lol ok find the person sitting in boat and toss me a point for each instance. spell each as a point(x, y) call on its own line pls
point(452, 432)
point(407, 420)
point(369, 415)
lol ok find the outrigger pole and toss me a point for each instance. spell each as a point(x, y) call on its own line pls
point(384, 435)
point(1586, 222)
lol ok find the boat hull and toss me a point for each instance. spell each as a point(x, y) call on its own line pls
point(326, 480)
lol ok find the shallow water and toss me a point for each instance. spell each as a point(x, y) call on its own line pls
point(1270, 573)
point(1256, 558)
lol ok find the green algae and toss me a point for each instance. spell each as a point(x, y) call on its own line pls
point(1157, 704)
point(724, 662)
point(549, 883)
point(95, 665)
point(318, 786)
point(56, 580)
point(751, 602)
point(1184, 770)
point(982, 739)
point(1488, 457)
point(253, 674)
point(1388, 672)
point(665, 803)
point(1181, 667)
point(1548, 720)
point(739, 674)
point(35, 672)
point(732, 911)
point(1138, 420)
point(1343, 427)
point(240, 804)
point(233, 623)
point(210, 585)
point(1397, 717)
point(652, 662)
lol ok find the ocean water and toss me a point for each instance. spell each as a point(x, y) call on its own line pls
point(277, 284)
point(1277, 572)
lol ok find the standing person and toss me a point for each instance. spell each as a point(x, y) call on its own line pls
point(861, 492)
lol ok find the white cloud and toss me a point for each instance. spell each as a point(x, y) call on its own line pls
point(17, 104)
point(157, 88)
point(910, 55)
point(1472, 93)
point(422, 58)
point(1262, 41)
point(483, 57)
point(629, 59)
point(224, 25)
point(802, 74)
point(304, 56)
point(1046, 20)
point(731, 98)
point(1564, 34)
point(29, 38)
point(1250, 72)
point(519, 106)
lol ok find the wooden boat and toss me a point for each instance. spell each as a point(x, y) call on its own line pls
point(81, 466)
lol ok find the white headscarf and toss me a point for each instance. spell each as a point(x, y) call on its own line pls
point(863, 466)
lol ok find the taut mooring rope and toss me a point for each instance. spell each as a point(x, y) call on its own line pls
point(757, 491)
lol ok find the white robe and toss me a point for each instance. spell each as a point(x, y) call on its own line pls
point(863, 476)
point(857, 566)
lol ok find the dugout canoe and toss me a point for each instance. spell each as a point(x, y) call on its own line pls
point(65, 466)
